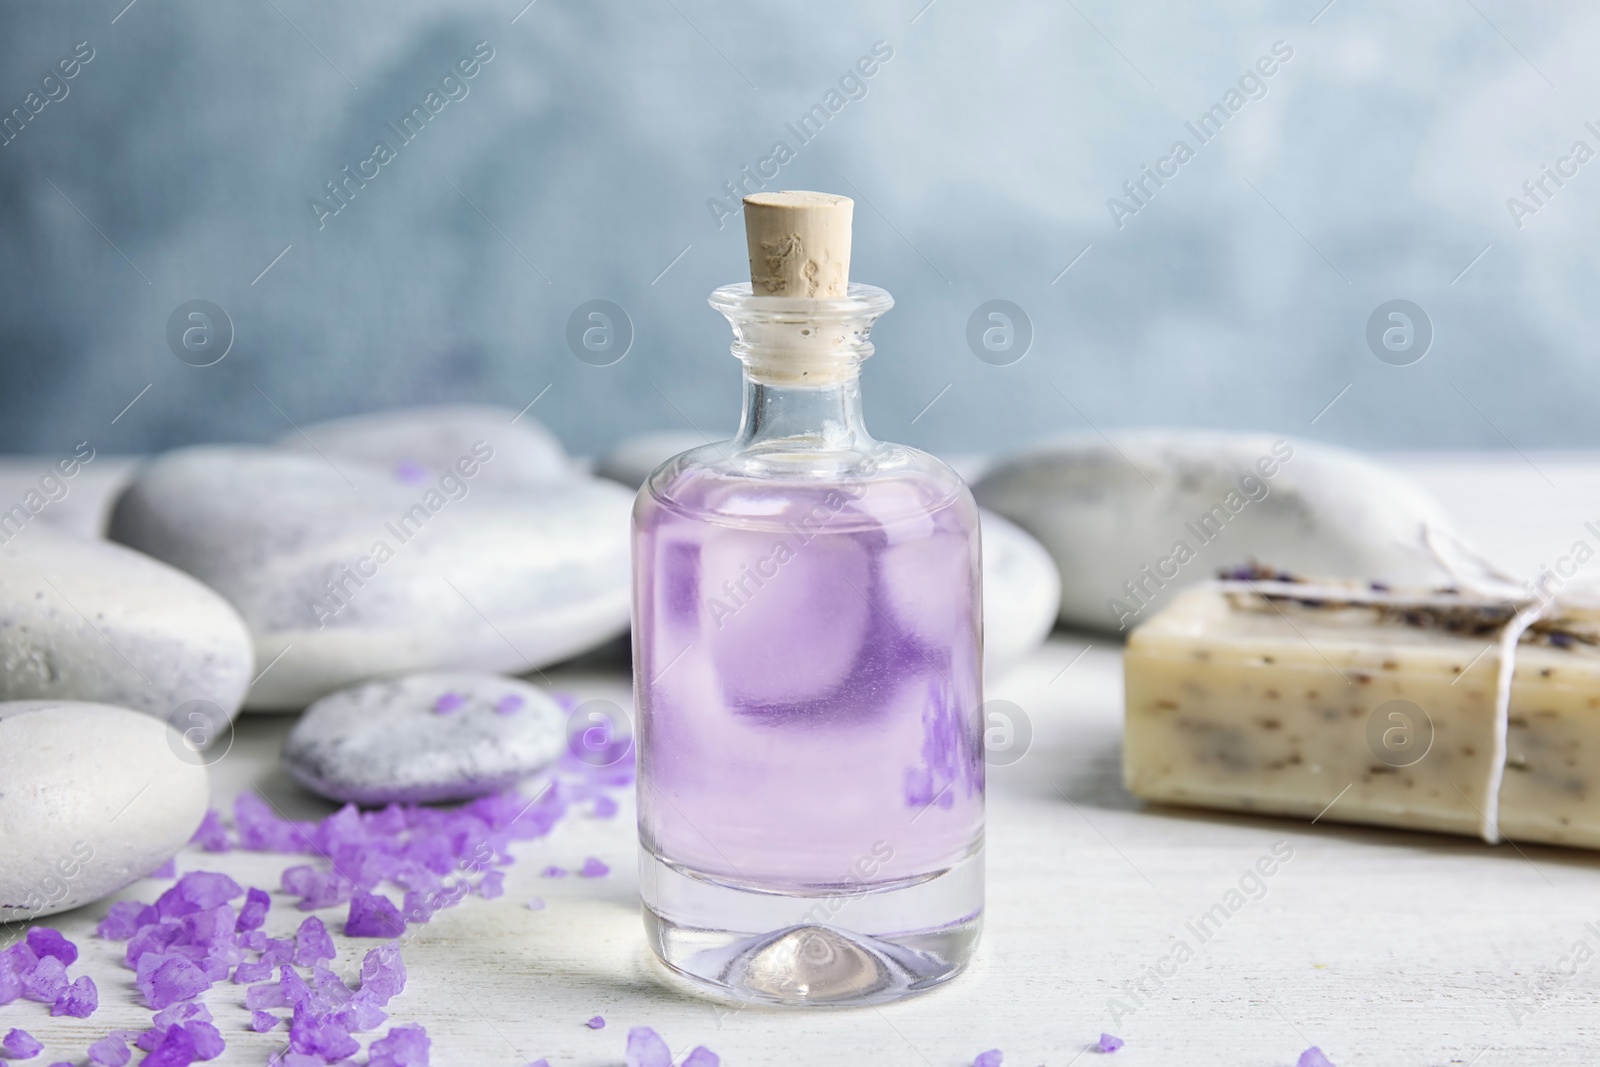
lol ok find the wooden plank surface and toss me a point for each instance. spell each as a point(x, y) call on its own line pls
point(1381, 947)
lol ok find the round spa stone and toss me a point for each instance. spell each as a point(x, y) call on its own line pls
point(419, 444)
point(345, 571)
point(90, 620)
point(1131, 520)
point(632, 459)
point(92, 798)
point(1021, 592)
point(424, 737)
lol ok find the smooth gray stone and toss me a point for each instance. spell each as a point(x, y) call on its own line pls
point(349, 584)
point(1108, 509)
point(92, 798)
point(94, 621)
point(387, 741)
point(419, 444)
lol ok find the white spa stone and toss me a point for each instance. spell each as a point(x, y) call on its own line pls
point(1107, 510)
point(89, 620)
point(1021, 592)
point(633, 458)
point(350, 584)
point(424, 738)
point(423, 443)
point(92, 797)
point(36, 495)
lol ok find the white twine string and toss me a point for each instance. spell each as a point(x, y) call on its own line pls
point(1486, 587)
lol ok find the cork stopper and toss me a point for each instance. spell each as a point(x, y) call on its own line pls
point(799, 243)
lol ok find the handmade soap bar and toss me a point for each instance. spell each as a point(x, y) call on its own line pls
point(1371, 713)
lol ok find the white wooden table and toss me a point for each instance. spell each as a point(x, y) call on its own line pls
point(1381, 947)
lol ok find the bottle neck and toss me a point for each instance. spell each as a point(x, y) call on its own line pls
point(826, 417)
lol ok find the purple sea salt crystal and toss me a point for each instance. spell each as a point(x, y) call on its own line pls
point(404, 1046)
point(320, 1036)
point(263, 830)
point(312, 944)
point(295, 991)
point(262, 1021)
point(409, 470)
point(382, 973)
point(79, 1000)
point(449, 702)
point(1313, 1057)
point(166, 979)
point(553, 871)
point(991, 1058)
point(373, 916)
point(540, 1063)
point(46, 941)
point(593, 868)
point(701, 1057)
point(509, 704)
point(10, 984)
point(492, 885)
point(196, 891)
point(125, 919)
point(536, 904)
point(176, 1049)
point(1108, 1043)
point(604, 808)
point(646, 1049)
point(211, 834)
point(596, 1023)
point(254, 912)
point(109, 1052)
point(265, 995)
point(316, 888)
point(20, 1045)
point(168, 869)
point(44, 981)
point(246, 973)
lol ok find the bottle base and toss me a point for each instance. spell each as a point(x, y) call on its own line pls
point(845, 947)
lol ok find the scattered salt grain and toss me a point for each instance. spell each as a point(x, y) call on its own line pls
point(597, 1023)
point(991, 1058)
point(1313, 1057)
point(1108, 1043)
point(373, 916)
point(646, 1049)
point(21, 1045)
point(701, 1057)
point(593, 868)
point(449, 702)
point(509, 704)
point(536, 904)
point(553, 871)
point(48, 942)
point(262, 1021)
point(109, 1052)
point(79, 1000)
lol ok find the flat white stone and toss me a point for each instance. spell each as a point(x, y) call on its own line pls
point(1106, 510)
point(349, 584)
point(1021, 592)
point(90, 620)
point(424, 442)
point(92, 797)
point(424, 738)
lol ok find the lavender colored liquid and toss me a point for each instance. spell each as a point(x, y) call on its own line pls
point(808, 667)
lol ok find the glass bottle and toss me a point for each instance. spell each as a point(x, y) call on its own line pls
point(808, 672)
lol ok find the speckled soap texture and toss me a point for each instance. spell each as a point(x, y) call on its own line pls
point(1241, 704)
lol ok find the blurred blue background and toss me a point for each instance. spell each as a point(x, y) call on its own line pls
point(1374, 164)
